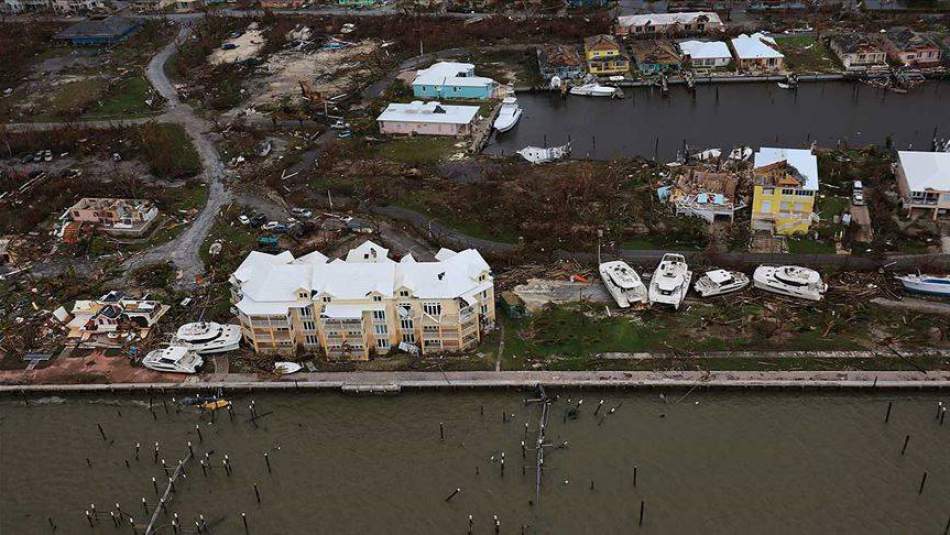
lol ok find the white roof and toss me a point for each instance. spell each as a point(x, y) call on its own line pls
point(926, 170)
point(667, 18)
point(272, 289)
point(257, 260)
point(368, 252)
point(348, 311)
point(428, 112)
point(755, 46)
point(451, 73)
point(801, 159)
point(705, 50)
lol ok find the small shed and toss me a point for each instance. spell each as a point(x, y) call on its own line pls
point(99, 31)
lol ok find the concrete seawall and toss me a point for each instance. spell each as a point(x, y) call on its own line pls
point(393, 382)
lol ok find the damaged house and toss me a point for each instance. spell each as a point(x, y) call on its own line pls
point(857, 52)
point(563, 61)
point(911, 49)
point(118, 217)
point(785, 184)
point(757, 53)
point(655, 57)
point(113, 319)
point(653, 25)
point(708, 194)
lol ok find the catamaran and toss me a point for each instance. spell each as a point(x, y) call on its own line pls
point(206, 337)
point(793, 281)
point(623, 283)
point(174, 359)
point(720, 281)
point(670, 281)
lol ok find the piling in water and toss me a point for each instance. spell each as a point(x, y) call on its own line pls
point(887, 415)
point(923, 481)
point(906, 440)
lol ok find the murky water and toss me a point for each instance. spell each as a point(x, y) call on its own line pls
point(709, 463)
point(726, 115)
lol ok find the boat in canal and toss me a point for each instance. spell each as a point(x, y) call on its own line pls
point(623, 283)
point(926, 284)
point(720, 281)
point(207, 337)
point(174, 359)
point(594, 90)
point(670, 281)
point(793, 281)
point(509, 115)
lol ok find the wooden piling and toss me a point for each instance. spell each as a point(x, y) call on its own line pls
point(267, 462)
point(904, 448)
point(887, 415)
point(642, 504)
point(454, 493)
point(923, 481)
point(257, 493)
point(441, 431)
point(102, 432)
point(244, 521)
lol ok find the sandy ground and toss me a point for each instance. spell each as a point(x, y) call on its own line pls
point(249, 44)
point(95, 368)
point(326, 73)
point(537, 293)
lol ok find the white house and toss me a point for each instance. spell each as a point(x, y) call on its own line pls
point(757, 52)
point(365, 303)
point(656, 24)
point(708, 55)
point(427, 118)
point(923, 179)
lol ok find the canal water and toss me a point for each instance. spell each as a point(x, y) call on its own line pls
point(726, 115)
point(704, 463)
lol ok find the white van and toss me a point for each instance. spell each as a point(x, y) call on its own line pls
point(857, 193)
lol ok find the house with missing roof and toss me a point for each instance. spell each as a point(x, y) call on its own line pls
point(858, 52)
point(365, 303)
point(785, 185)
point(911, 49)
point(448, 79)
point(563, 61)
point(653, 25)
point(703, 55)
point(655, 56)
point(112, 320)
point(427, 119)
point(119, 217)
point(105, 31)
point(923, 180)
point(757, 53)
point(706, 193)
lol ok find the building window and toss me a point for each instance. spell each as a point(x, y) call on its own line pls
point(409, 338)
point(430, 329)
point(403, 293)
point(379, 315)
point(305, 312)
point(377, 298)
point(309, 326)
point(432, 309)
point(768, 191)
point(405, 324)
point(484, 310)
point(382, 343)
point(381, 330)
point(310, 340)
point(326, 298)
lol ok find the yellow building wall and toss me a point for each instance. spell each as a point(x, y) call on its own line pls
point(793, 219)
point(601, 54)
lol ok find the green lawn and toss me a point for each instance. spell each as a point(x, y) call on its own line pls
point(804, 54)
point(126, 100)
point(475, 227)
point(810, 246)
point(418, 150)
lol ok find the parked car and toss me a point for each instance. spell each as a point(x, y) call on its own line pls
point(302, 212)
point(258, 220)
point(244, 220)
point(280, 228)
point(270, 225)
point(228, 46)
point(340, 124)
point(344, 134)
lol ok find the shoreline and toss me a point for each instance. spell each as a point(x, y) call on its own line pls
point(396, 382)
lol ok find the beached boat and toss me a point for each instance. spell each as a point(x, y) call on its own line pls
point(207, 337)
point(593, 90)
point(926, 284)
point(793, 281)
point(287, 368)
point(670, 281)
point(545, 155)
point(720, 281)
point(174, 359)
point(509, 115)
point(623, 283)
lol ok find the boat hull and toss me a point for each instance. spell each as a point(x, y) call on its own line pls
point(927, 288)
point(506, 123)
point(770, 286)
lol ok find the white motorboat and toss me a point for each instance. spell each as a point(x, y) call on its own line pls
point(670, 281)
point(287, 368)
point(623, 283)
point(720, 281)
point(593, 90)
point(545, 155)
point(793, 281)
point(509, 115)
point(926, 284)
point(207, 337)
point(174, 359)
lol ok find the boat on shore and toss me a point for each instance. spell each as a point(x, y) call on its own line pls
point(287, 368)
point(623, 283)
point(670, 281)
point(509, 115)
point(174, 359)
point(926, 284)
point(793, 281)
point(207, 337)
point(545, 154)
point(594, 90)
point(719, 282)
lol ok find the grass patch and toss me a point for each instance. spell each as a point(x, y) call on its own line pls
point(168, 151)
point(809, 246)
point(72, 99)
point(805, 54)
point(418, 150)
point(420, 201)
point(126, 100)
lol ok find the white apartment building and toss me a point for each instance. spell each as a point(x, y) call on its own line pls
point(364, 304)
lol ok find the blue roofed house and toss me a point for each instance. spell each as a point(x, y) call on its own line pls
point(99, 31)
point(446, 80)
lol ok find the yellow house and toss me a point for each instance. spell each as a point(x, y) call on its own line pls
point(785, 183)
point(604, 56)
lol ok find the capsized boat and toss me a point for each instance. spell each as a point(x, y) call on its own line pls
point(793, 281)
point(174, 359)
point(670, 281)
point(509, 115)
point(287, 368)
point(215, 405)
point(623, 283)
point(545, 155)
point(926, 284)
point(594, 90)
point(206, 337)
point(720, 281)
